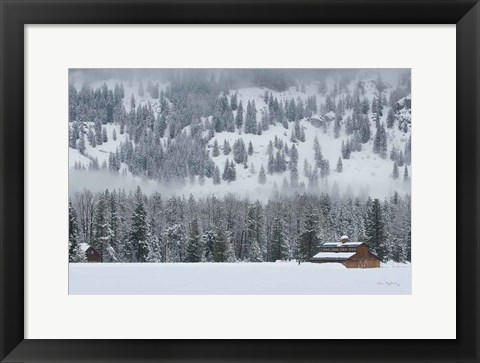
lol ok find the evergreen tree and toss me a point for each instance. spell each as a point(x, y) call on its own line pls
point(132, 103)
point(318, 156)
point(339, 165)
point(255, 252)
point(400, 159)
point(406, 177)
point(390, 118)
point(251, 118)
point(114, 220)
point(365, 130)
point(365, 106)
point(101, 227)
point(221, 248)
point(270, 148)
point(337, 125)
point(349, 126)
point(226, 148)
point(239, 151)
point(293, 166)
point(229, 173)
point(250, 148)
point(293, 163)
point(325, 169)
point(259, 129)
point(302, 137)
point(175, 236)
point(300, 110)
point(380, 142)
point(375, 106)
point(280, 164)
point(216, 175)
point(201, 177)
point(233, 102)
point(296, 130)
point(346, 149)
point(91, 137)
point(290, 110)
point(357, 141)
point(308, 240)
point(216, 149)
point(94, 164)
point(394, 154)
point(250, 248)
point(160, 125)
point(395, 171)
point(195, 248)
point(408, 151)
point(138, 229)
point(208, 240)
point(81, 145)
point(113, 162)
point(375, 229)
point(292, 137)
point(98, 132)
point(229, 119)
point(155, 250)
point(104, 135)
point(264, 120)
point(279, 243)
point(239, 116)
point(262, 178)
point(281, 117)
point(266, 96)
point(73, 134)
point(75, 253)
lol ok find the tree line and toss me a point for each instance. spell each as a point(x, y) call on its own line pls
point(134, 227)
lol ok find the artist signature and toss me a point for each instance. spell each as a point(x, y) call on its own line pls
point(388, 283)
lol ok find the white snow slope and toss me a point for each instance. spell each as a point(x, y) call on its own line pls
point(365, 173)
point(281, 278)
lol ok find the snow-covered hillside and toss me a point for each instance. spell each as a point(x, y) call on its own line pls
point(364, 172)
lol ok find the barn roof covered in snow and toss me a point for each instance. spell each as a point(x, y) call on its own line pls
point(84, 246)
point(332, 256)
point(339, 244)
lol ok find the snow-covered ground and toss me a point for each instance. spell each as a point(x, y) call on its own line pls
point(280, 278)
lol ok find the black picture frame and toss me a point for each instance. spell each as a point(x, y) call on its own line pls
point(15, 14)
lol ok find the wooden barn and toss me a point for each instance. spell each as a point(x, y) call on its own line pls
point(350, 254)
point(91, 253)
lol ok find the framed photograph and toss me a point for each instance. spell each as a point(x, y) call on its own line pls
point(239, 181)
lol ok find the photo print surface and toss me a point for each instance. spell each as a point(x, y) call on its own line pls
point(239, 181)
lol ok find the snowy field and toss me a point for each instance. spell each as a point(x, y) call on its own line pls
point(281, 278)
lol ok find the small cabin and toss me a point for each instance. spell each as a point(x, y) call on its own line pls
point(91, 254)
point(350, 254)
